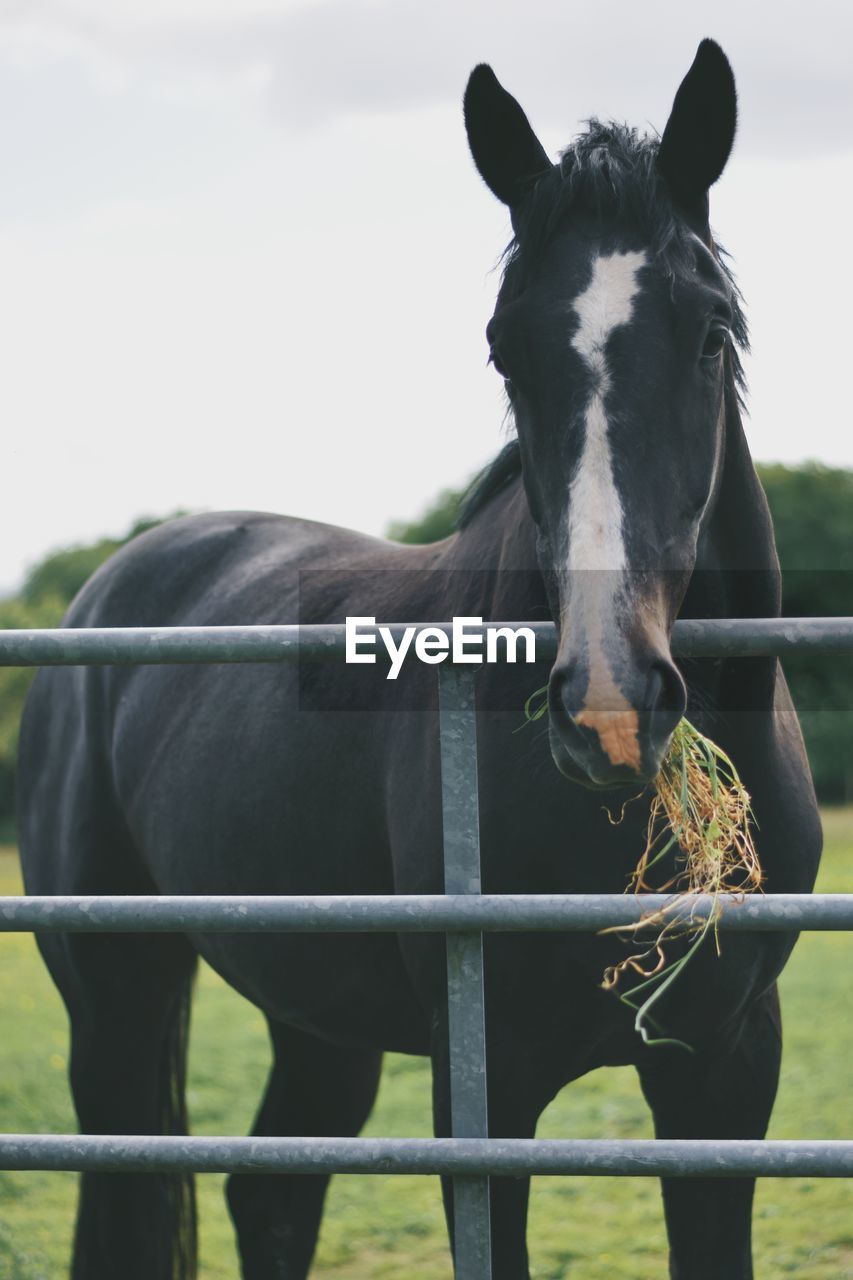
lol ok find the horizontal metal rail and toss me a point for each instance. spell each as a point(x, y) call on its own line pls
point(600, 1157)
point(708, 637)
point(452, 913)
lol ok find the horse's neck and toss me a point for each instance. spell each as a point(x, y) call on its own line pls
point(736, 576)
point(495, 557)
point(737, 569)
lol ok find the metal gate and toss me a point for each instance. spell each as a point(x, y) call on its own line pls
point(463, 913)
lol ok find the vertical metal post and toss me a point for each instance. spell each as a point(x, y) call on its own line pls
point(465, 993)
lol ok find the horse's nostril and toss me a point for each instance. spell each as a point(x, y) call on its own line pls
point(665, 700)
point(563, 686)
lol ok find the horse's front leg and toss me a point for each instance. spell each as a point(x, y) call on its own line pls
point(517, 1095)
point(709, 1220)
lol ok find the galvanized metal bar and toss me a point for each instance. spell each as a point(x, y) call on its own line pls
point(475, 1157)
point(706, 637)
point(760, 637)
point(466, 1011)
point(454, 913)
point(97, 646)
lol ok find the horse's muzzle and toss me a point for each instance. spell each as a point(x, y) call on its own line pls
point(620, 738)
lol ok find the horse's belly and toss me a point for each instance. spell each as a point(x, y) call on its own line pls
point(347, 988)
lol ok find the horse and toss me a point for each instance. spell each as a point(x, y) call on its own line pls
point(625, 498)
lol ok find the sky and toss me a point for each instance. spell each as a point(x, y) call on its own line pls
point(246, 261)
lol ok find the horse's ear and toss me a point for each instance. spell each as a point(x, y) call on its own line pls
point(700, 131)
point(506, 151)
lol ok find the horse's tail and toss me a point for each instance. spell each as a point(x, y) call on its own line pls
point(174, 1119)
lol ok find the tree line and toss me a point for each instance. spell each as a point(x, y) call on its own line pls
point(812, 509)
point(48, 589)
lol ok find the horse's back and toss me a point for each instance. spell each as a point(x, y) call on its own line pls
point(123, 741)
point(221, 568)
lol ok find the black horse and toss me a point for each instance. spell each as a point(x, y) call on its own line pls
point(628, 498)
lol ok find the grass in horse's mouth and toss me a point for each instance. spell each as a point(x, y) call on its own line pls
point(701, 809)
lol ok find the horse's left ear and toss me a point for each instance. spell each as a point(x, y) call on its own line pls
point(700, 131)
point(506, 151)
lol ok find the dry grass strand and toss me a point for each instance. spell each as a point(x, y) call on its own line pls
point(700, 808)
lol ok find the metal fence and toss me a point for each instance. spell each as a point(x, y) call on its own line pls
point(463, 913)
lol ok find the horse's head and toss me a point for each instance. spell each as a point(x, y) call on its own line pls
point(613, 331)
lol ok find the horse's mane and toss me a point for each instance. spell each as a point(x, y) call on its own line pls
point(610, 170)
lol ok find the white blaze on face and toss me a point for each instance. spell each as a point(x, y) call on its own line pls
point(595, 512)
point(596, 546)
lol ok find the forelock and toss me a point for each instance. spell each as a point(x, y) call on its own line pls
point(610, 171)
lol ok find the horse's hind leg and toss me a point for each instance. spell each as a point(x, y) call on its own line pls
point(709, 1220)
point(315, 1089)
point(128, 1000)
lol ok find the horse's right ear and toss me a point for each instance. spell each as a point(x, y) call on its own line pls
point(701, 129)
point(506, 151)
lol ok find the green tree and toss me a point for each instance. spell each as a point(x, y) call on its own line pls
point(437, 521)
point(62, 573)
point(14, 683)
point(812, 509)
point(48, 589)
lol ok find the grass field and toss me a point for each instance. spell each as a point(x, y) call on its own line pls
point(378, 1228)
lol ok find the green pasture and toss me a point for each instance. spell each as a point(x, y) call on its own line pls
point(379, 1228)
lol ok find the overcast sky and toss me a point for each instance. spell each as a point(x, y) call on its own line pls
point(245, 260)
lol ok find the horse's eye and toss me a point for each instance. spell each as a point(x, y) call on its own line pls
point(714, 342)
